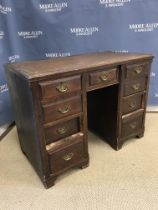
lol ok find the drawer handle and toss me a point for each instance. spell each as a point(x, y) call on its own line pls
point(64, 110)
point(62, 87)
point(136, 86)
point(138, 69)
point(132, 105)
point(103, 77)
point(133, 125)
point(61, 131)
point(68, 156)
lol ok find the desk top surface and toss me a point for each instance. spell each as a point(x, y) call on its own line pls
point(41, 68)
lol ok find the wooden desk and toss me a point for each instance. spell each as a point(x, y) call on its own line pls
point(54, 100)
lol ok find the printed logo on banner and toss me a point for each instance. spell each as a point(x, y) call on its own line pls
point(53, 7)
point(13, 58)
point(156, 95)
point(1, 34)
point(30, 34)
point(3, 88)
point(86, 31)
point(114, 3)
point(121, 51)
point(153, 74)
point(5, 10)
point(143, 27)
point(55, 55)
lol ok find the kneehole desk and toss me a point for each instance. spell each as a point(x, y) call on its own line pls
point(56, 101)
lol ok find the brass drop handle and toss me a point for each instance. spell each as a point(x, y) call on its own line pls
point(132, 105)
point(133, 125)
point(62, 87)
point(138, 69)
point(103, 77)
point(61, 131)
point(136, 86)
point(68, 156)
point(64, 110)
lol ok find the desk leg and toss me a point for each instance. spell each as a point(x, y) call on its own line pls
point(140, 135)
point(84, 164)
point(119, 146)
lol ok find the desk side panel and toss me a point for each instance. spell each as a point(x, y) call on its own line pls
point(23, 109)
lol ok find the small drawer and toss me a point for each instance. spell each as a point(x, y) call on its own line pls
point(103, 77)
point(53, 88)
point(56, 111)
point(131, 125)
point(61, 130)
point(134, 86)
point(66, 156)
point(132, 103)
point(137, 70)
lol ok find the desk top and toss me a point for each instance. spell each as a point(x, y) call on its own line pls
point(34, 70)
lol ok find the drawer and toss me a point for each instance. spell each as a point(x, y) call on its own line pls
point(132, 103)
point(64, 108)
point(61, 130)
point(53, 88)
point(137, 70)
point(66, 156)
point(131, 125)
point(134, 86)
point(105, 76)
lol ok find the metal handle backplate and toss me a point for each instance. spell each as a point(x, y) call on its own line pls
point(62, 130)
point(103, 77)
point(133, 125)
point(64, 109)
point(62, 87)
point(68, 156)
point(138, 69)
point(136, 86)
point(132, 105)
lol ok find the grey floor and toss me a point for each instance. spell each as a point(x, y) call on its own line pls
point(115, 180)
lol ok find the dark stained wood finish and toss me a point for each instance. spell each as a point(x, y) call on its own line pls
point(24, 114)
point(132, 103)
point(52, 88)
point(134, 86)
point(36, 70)
point(64, 108)
point(137, 70)
point(68, 156)
point(62, 130)
point(56, 100)
point(103, 76)
point(132, 124)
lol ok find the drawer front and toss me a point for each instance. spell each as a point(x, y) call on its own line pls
point(137, 70)
point(132, 103)
point(52, 89)
point(62, 130)
point(66, 157)
point(62, 109)
point(131, 125)
point(134, 86)
point(103, 77)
